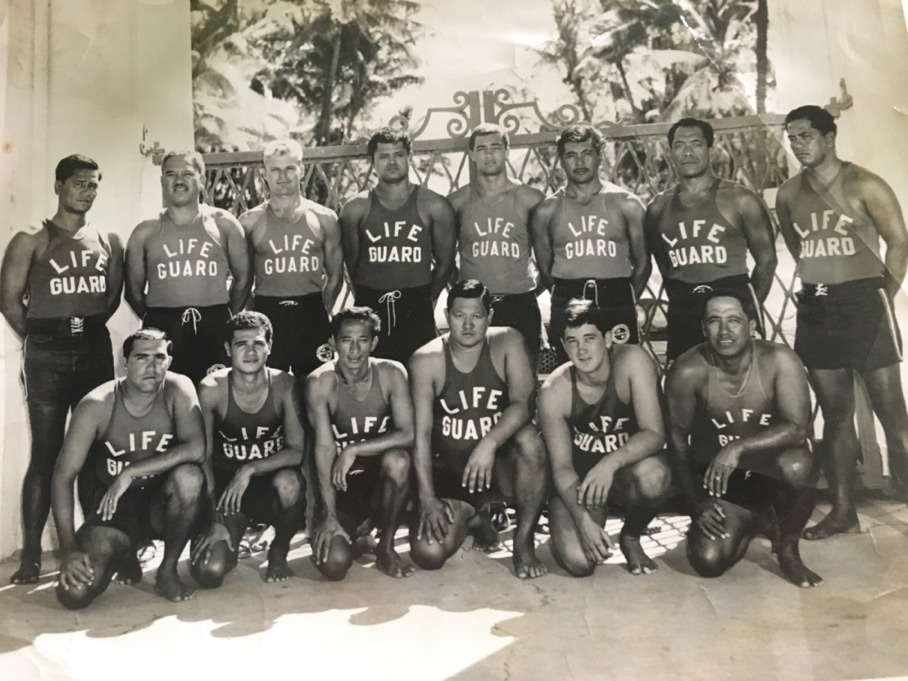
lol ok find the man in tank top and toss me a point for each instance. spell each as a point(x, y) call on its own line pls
point(142, 439)
point(589, 240)
point(254, 449)
point(362, 415)
point(700, 232)
point(298, 265)
point(399, 245)
point(738, 410)
point(188, 268)
point(59, 284)
point(474, 442)
point(494, 245)
point(833, 215)
point(601, 420)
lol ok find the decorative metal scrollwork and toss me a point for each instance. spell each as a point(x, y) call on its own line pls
point(464, 116)
point(837, 105)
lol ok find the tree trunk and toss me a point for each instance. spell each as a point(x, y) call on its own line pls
point(323, 129)
point(761, 19)
point(638, 115)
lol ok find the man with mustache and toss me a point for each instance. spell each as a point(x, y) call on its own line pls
point(399, 243)
point(187, 269)
point(589, 240)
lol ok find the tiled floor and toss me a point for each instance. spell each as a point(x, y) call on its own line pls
point(474, 620)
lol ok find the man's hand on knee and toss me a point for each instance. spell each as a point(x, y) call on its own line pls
point(76, 570)
point(711, 521)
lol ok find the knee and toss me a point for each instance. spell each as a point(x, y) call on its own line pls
point(340, 558)
point(75, 598)
point(185, 482)
point(288, 485)
point(395, 466)
point(651, 478)
point(530, 449)
point(210, 574)
point(706, 558)
point(575, 563)
point(427, 556)
point(796, 466)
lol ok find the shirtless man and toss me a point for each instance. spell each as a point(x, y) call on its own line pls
point(187, 269)
point(298, 265)
point(143, 440)
point(399, 242)
point(589, 240)
point(700, 233)
point(361, 412)
point(833, 215)
point(253, 454)
point(474, 441)
point(492, 217)
point(738, 411)
point(71, 276)
point(601, 420)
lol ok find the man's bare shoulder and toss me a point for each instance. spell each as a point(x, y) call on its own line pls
point(357, 205)
point(323, 213)
point(427, 355)
point(528, 196)
point(178, 385)
point(100, 400)
point(216, 380)
point(631, 358)
point(503, 336)
point(459, 196)
point(658, 202)
point(389, 367)
point(789, 189)
point(251, 218)
point(777, 356)
point(281, 381)
point(857, 179)
point(28, 240)
point(558, 381)
point(736, 193)
point(145, 229)
point(689, 370)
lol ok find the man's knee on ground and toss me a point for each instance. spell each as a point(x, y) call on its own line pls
point(75, 597)
point(650, 478)
point(395, 465)
point(185, 482)
point(706, 556)
point(340, 558)
point(288, 485)
point(428, 556)
point(210, 574)
point(575, 563)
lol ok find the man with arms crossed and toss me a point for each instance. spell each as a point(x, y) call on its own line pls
point(589, 240)
point(362, 415)
point(72, 276)
point(295, 245)
point(833, 215)
point(738, 412)
point(471, 392)
point(601, 419)
point(700, 232)
point(399, 244)
point(179, 265)
point(143, 440)
point(254, 450)
point(492, 215)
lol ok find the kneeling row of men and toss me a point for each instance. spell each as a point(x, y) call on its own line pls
point(169, 463)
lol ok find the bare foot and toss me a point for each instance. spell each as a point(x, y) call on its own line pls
point(794, 569)
point(482, 529)
point(391, 564)
point(527, 565)
point(146, 553)
point(28, 572)
point(170, 587)
point(833, 524)
point(129, 569)
point(278, 570)
point(638, 563)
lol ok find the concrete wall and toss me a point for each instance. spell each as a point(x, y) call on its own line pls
point(81, 76)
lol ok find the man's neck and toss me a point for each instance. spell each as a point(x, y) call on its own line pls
point(583, 192)
point(738, 365)
point(287, 207)
point(249, 383)
point(393, 192)
point(598, 377)
point(826, 170)
point(699, 185)
point(183, 215)
point(70, 222)
point(357, 375)
point(492, 186)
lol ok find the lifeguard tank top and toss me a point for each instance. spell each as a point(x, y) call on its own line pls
point(469, 404)
point(395, 247)
point(727, 416)
point(600, 428)
point(187, 265)
point(289, 256)
point(354, 421)
point(242, 436)
point(835, 247)
point(495, 245)
point(586, 241)
point(129, 439)
point(701, 244)
point(69, 277)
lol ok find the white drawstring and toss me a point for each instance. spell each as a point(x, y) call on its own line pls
point(591, 282)
point(389, 299)
point(194, 315)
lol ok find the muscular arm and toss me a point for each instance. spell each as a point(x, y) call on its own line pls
point(554, 410)
point(757, 228)
point(444, 242)
point(423, 392)
point(652, 236)
point(883, 208)
point(209, 400)
point(521, 386)
point(237, 258)
point(541, 239)
point(136, 277)
point(632, 211)
point(351, 215)
point(81, 434)
point(783, 214)
point(334, 258)
point(681, 389)
point(14, 280)
point(114, 275)
point(325, 446)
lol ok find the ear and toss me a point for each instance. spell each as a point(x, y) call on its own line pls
point(374, 343)
point(332, 343)
point(609, 339)
point(491, 314)
point(753, 327)
point(58, 187)
point(227, 349)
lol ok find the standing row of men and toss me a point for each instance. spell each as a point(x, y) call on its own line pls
point(193, 265)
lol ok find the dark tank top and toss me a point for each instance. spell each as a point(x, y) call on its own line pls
point(835, 247)
point(726, 416)
point(69, 278)
point(494, 245)
point(358, 421)
point(701, 244)
point(241, 437)
point(289, 256)
point(469, 404)
point(600, 428)
point(129, 439)
point(587, 242)
point(395, 246)
point(187, 265)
